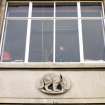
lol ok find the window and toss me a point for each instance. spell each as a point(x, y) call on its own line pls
point(53, 32)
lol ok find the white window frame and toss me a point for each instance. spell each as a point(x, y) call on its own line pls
point(54, 18)
point(28, 33)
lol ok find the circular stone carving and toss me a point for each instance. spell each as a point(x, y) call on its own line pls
point(54, 84)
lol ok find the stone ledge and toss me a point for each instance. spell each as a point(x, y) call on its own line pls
point(52, 101)
point(52, 65)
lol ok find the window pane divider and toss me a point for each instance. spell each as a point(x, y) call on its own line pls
point(51, 18)
point(16, 18)
point(80, 33)
point(28, 33)
point(67, 18)
point(54, 33)
point(42, 18)
point(32, 18)
point(91, 18)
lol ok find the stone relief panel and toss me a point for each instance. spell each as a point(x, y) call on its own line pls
point(22, 86)
point(54, 84)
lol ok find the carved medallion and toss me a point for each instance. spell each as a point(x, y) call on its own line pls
point(54, 84)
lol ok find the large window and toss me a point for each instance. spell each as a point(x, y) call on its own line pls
point(53, 32)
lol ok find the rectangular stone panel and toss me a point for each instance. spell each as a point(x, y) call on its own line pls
point(24, 86)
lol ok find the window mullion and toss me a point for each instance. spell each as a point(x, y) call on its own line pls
point(103, 21)
point(54, 33)
point(80, 33)
point(3, 33)
point(28, 33)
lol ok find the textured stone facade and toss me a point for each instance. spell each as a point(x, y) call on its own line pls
point(20, 83)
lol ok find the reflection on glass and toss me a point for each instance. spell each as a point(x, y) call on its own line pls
point(17, 10)
point(93, 40)
point(14, 45)
point(67, 44)
point(66, 9)
point(41, 45)
point(42, 9)
point(91, 9)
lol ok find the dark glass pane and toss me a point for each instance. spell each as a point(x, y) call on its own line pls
point(66, 9)
point(93, 40)
point(14, 45)
point(43, 10)
point(67, 44)
point(17, 10)
point(91, 9)
point(41, 45)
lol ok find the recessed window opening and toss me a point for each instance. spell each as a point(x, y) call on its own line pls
point(53, 32)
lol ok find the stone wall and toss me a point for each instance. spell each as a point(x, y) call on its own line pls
point(23, 86)
point(2, 9)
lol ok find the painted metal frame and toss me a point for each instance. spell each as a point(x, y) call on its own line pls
point(28, 33)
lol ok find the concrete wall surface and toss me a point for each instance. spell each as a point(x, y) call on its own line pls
point(22, 86)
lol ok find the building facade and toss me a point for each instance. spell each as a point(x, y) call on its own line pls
point(52, 52)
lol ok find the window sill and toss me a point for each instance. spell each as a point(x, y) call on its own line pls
point(49, 65)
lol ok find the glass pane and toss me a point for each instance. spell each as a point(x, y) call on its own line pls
point(94, 48)
point(67, 44)
point(41, 45)
point(91, 9)
point(43, 10)
point(66, 9)
point(17, 10)
point(14, 45)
